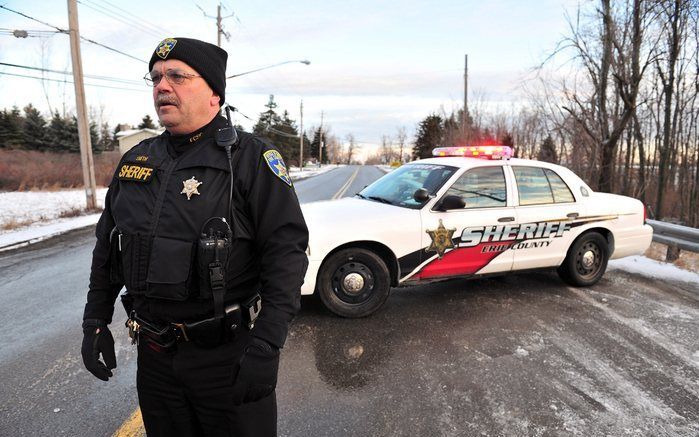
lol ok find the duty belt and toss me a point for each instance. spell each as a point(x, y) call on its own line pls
point(207, 332)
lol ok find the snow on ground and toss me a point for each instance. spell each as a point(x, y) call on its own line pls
point(653, 269)
point(38, 206)
point(32, 216)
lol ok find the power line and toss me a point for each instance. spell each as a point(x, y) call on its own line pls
point(69, 81)
point(67, 32)
point(68, 73)
point(117, 17)
point(136, 17)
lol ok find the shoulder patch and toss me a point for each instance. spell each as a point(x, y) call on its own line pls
point(276, 164)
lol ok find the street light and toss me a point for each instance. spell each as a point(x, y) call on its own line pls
point(302, 61)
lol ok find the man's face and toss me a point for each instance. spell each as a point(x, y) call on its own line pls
point(183, 108)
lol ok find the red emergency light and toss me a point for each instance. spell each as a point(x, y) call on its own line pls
point(483, 152)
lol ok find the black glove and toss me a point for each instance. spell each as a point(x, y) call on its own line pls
point(257, 377)
point(97, 339)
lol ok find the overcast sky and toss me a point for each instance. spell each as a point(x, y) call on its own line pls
point(375, 65)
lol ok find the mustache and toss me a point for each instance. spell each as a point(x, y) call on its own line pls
point(166, 99)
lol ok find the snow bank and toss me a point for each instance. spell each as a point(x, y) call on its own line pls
point(653, 269)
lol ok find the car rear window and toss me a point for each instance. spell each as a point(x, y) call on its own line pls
point(561, 191)
point(537, 186)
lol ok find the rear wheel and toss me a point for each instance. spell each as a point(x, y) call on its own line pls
point(354, 282)
point(586, 261)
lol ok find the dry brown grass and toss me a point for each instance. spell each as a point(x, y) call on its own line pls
point(14, 224)
point(687, 260)
point(23, 170)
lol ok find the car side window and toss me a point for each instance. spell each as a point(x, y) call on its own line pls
point(533, 186)
point(482, 187)
point(561, 192)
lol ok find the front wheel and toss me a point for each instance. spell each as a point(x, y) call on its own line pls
point(354, 282)
point(586, 261)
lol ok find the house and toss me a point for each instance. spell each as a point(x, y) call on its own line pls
point(129, 138)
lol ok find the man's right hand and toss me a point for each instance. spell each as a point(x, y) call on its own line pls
point(98, 339)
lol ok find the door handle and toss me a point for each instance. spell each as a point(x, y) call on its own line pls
point(573, 215)
point(506, 219)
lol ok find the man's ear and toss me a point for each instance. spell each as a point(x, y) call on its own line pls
point(214, 100)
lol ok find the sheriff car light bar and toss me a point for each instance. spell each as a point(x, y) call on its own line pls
point(483, 152)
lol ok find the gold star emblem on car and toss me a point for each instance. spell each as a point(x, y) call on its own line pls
point(441, 239)
point(191, 186)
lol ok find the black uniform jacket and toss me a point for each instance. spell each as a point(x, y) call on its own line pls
point(147, 234)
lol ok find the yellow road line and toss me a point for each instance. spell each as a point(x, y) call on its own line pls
point(132, 427)
point(346, 186)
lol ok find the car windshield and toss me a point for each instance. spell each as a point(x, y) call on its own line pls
point(398, 187)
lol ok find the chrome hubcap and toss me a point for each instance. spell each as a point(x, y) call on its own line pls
point(588, 259)
point(353, 282)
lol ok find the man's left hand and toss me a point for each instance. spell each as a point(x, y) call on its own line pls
point(257, 377)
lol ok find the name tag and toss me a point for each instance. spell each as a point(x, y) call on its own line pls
point(136, 173)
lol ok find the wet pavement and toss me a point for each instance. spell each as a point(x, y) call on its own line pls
point(522, 355)
point(519, 355)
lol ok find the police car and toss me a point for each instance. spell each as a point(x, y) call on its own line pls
point(469, 211)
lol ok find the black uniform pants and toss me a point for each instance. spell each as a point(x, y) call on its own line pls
point(188, 392)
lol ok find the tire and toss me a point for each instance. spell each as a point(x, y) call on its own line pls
point(354, 283)
point(586, 261)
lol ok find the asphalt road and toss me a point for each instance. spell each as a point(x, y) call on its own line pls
point(517, 355)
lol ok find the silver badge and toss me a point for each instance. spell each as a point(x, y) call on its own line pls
point(190, 187)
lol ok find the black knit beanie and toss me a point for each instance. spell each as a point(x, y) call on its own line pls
point(207, 59)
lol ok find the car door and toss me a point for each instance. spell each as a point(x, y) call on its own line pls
point(546, 211)
point(466, 241)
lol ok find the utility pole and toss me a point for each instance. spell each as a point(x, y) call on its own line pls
point(219, 28)
point(464, 113)
point(301, 139)
point(219, 23)
point(83, 126)
point(320, 145)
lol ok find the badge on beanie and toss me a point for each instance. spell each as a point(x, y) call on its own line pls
point(165, 47)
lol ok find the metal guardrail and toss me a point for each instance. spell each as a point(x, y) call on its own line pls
point(681, 237)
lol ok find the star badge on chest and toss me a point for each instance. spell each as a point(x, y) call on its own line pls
point(191, 186)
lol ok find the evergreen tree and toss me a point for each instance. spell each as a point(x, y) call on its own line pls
point(94, 138)
point(280, 130)
point(315, 145)
point(286, 138)
point(507, 140)
point(34, 129)
point(146, 123)
point(267, 118)
point(106, 140)
point(429, 135)
point(11, 128)
point(547, 151)
point(63, 134)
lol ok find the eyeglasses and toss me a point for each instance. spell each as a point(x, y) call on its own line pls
point(175, 77)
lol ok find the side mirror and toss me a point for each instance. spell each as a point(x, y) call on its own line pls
point(451, 202)
point(421, 195)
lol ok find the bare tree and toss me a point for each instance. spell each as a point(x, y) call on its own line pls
point(401, 137)
point(351, 147)
point(675, 12)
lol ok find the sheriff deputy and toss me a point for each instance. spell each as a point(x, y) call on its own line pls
point(203, 227)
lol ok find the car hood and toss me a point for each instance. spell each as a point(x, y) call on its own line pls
point(351, 211)
point(336, 222)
